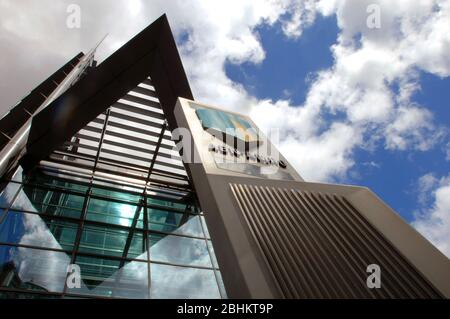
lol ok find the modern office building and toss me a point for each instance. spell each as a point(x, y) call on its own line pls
point(115, 183)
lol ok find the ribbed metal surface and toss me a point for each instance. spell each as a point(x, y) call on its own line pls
point(129, 143)
point(319, 246)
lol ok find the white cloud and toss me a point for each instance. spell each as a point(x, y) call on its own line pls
point(369, 64)
point(425, 185)
point(331, 155)
point(434, 222)
point(302, 15)
point(412, 128)
point(447, 151)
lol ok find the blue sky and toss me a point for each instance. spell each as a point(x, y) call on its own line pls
point(289, 63)
point(285, 74)
point(396, 178)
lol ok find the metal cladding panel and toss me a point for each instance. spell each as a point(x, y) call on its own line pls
point(13, 120)
point(317, 245)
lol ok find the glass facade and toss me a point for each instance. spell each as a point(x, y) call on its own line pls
point(126, 242)
point(112, 205)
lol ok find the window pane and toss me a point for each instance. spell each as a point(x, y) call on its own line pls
point(205, 227)
point(182, 283)
point(34, 230)
point(43, 179)
point(112, 278)
point(33, 269)
point(40, 200)
point(213, 254)
point(116, 195)
point(21, 295)
point(170, 222)
point(222, 289)
point(113, 242)
point(169, 204)
point(18, 175)
point(7, 194)
point(113, 213)
point(179, 250)
point(190, 227)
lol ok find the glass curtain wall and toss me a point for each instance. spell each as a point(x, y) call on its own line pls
point(116, 201)
point(126, 244)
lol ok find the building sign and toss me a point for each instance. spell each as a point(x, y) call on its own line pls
point(247, 156)
point(235, 131)
point(231, 143)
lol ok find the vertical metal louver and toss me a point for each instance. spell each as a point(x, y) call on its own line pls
point(318, 245)
point(129, 143)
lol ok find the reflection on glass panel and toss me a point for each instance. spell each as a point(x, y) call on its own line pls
point(222, 289)
point(182, 283)
point(45, 271)
point(168, 204)
point(190, 227)
point(43, 179)
point(33, 269)
point(21, 295)
point(113, 242)
point(7, 194)
point(179, 250)
point(114, 213)
point(116, 195)
point(170, 222)
point(205, 227)
point(213, 255)
point(112, 278)
point(55, 203)
point(34, 230)
point(17, 177)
